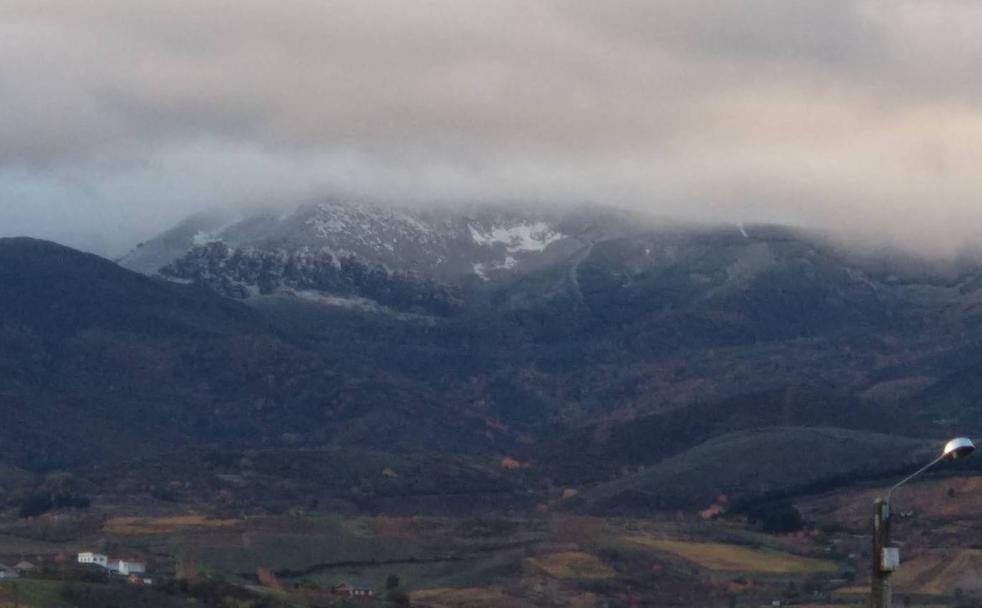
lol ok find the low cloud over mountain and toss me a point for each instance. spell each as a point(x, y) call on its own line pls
point(852, 115)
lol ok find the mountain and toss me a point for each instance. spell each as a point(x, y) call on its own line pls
point(586, 345)
point(721, 285)
point(98, 362)
point(437, 243)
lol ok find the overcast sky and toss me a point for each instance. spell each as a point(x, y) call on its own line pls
point(119, 117)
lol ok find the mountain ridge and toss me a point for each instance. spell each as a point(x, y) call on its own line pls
point(588, 346)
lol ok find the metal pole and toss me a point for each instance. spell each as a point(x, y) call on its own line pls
point(880, 596)
point(912, 475)
point(880, 585)
point(879, 575)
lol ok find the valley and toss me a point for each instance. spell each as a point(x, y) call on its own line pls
point(676, 558)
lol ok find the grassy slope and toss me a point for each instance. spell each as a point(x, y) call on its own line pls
point(750, 463)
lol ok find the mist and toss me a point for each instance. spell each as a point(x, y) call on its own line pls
point(861, 118)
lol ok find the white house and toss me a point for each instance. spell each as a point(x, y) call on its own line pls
point(114, 566)
point(97, 559)
point(125, 568)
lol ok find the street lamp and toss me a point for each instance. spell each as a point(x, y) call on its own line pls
point(886, 559)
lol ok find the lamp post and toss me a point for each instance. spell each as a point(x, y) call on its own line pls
point(885, 558)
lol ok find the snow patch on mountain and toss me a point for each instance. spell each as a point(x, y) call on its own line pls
point(203, 237)
point(482, 270)
point(534, 236)
point(374, 227)
point(353, 303)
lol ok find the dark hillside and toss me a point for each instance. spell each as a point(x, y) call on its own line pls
point(750, 464)
point(100, 362)
point(57, 292)
point(607, 449)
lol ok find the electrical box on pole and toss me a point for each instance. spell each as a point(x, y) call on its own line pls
point(890, 559)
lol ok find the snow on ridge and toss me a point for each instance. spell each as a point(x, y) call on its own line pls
point(481, 270)
point(313, 295)
point(352, 303)
point(203, 237)
point(411, 221)
point(517, 238)
point(372, 227)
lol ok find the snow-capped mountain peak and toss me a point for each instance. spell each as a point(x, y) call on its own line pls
point(307, 246)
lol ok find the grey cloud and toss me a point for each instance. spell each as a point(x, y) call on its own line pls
point(833, 32)
point(853, 115)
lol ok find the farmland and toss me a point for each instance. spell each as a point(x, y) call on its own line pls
point(573, 565)
point(733, 558)
point(443, 562)
point(514, 560)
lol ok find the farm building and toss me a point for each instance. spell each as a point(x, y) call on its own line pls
point(97, 559)
point(121, 567)
point(351, 591)
point(126, 568)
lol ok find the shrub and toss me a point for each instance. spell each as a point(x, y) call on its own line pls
point(775, 517)
point(37, 504)
point(398, 597)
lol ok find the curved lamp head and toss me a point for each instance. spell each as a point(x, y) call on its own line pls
point(959, 447)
